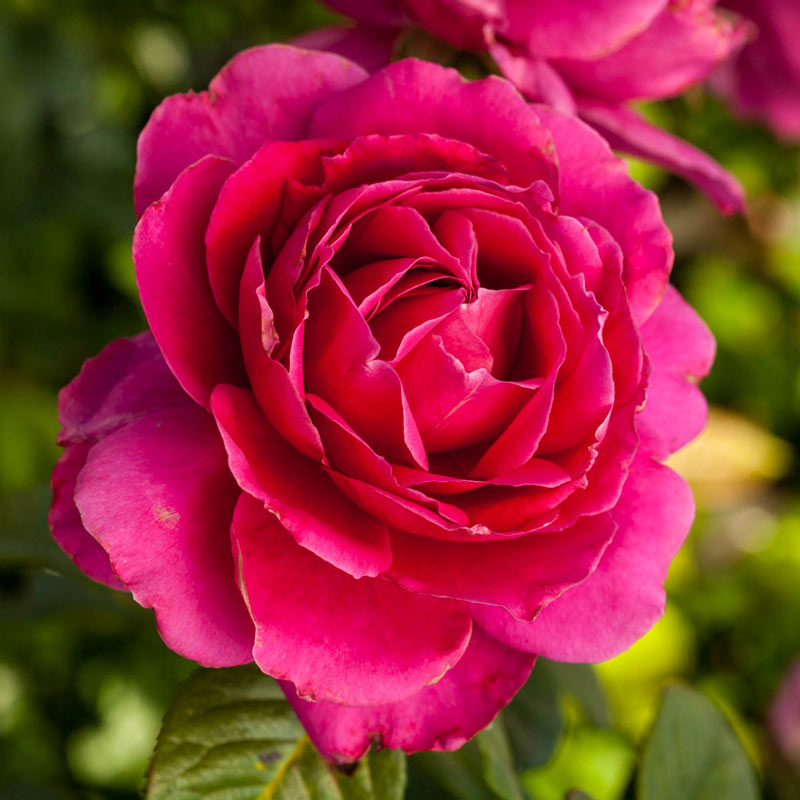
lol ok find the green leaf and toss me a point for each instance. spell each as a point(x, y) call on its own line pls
point(231, 735)
point(498, 768)
point(577, 794)
point(579, 680)
point(533, 720)
point(693, 754)
point(448, 776)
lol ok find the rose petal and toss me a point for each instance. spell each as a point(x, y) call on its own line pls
point(297, 490)
point(338, 639)
point(681, 351)
point(624, 596)
point(412, 96)
point(341, 366)
point(66, 524)
point(522, 575)
point(534, 77)
point(440, 717)
point(578, 28)
point(250, 204)
point(454, 407)
point(596, 185)
point(762, 79)
point(244, 107)
point(465, 25)
point(199, 345)
point(269, 378)
point(626, 130)
point(374, 12)
point(681, 47)
point(125, 381)
point(158, 497)
point(370, 48)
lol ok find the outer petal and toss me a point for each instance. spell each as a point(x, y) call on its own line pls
point(440, 717)
point(763, 80)
point(338, 639)
point(682, 46)
point(158, 497)
point(585, 29)
point(199, 345)
point(596, 185)
point(370, 48)
point(244, 107)
point(465, 24)
point(628, 131)
point(681, 351)
point(125, 381)
point(621, 600)
point(66, 524)
point(534, 77)
point(413, 96)
point(297, 490)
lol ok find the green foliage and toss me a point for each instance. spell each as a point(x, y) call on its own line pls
point(693, 754)
point(230, 733)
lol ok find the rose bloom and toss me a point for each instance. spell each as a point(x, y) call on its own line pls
point(763, 80)
point(396, 428)
point(585, 57)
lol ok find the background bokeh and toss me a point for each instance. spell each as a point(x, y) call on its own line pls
point(84, 678)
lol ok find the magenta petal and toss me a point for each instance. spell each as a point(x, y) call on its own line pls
point(244, 107)
point(681, 351)
point(126, 380)
point(198, 343)
point(626, 130)
point(158, 497)
point(464, 25)
point(269, 378)
point(413, 96)
point(624, 597)
point(297, 490)
point(763, 79)
point(596, 185)
point(250, 204)
point(440, 717)
point(66, 524)
point(338, 639)
point(370, 48)
point(534, 77)
point(583, 29)
point(373, 12)
point(341, 366)
point(522, 574)
point(681, 47)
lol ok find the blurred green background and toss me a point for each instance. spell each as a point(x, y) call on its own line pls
point(84, 678)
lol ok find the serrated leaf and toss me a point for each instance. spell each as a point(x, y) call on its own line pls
point(498, 768)
point(230, 735)
point(693, 754)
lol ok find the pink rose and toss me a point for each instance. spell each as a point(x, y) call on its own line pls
point(386, 434)
point(763, 79)
point(585, 57)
